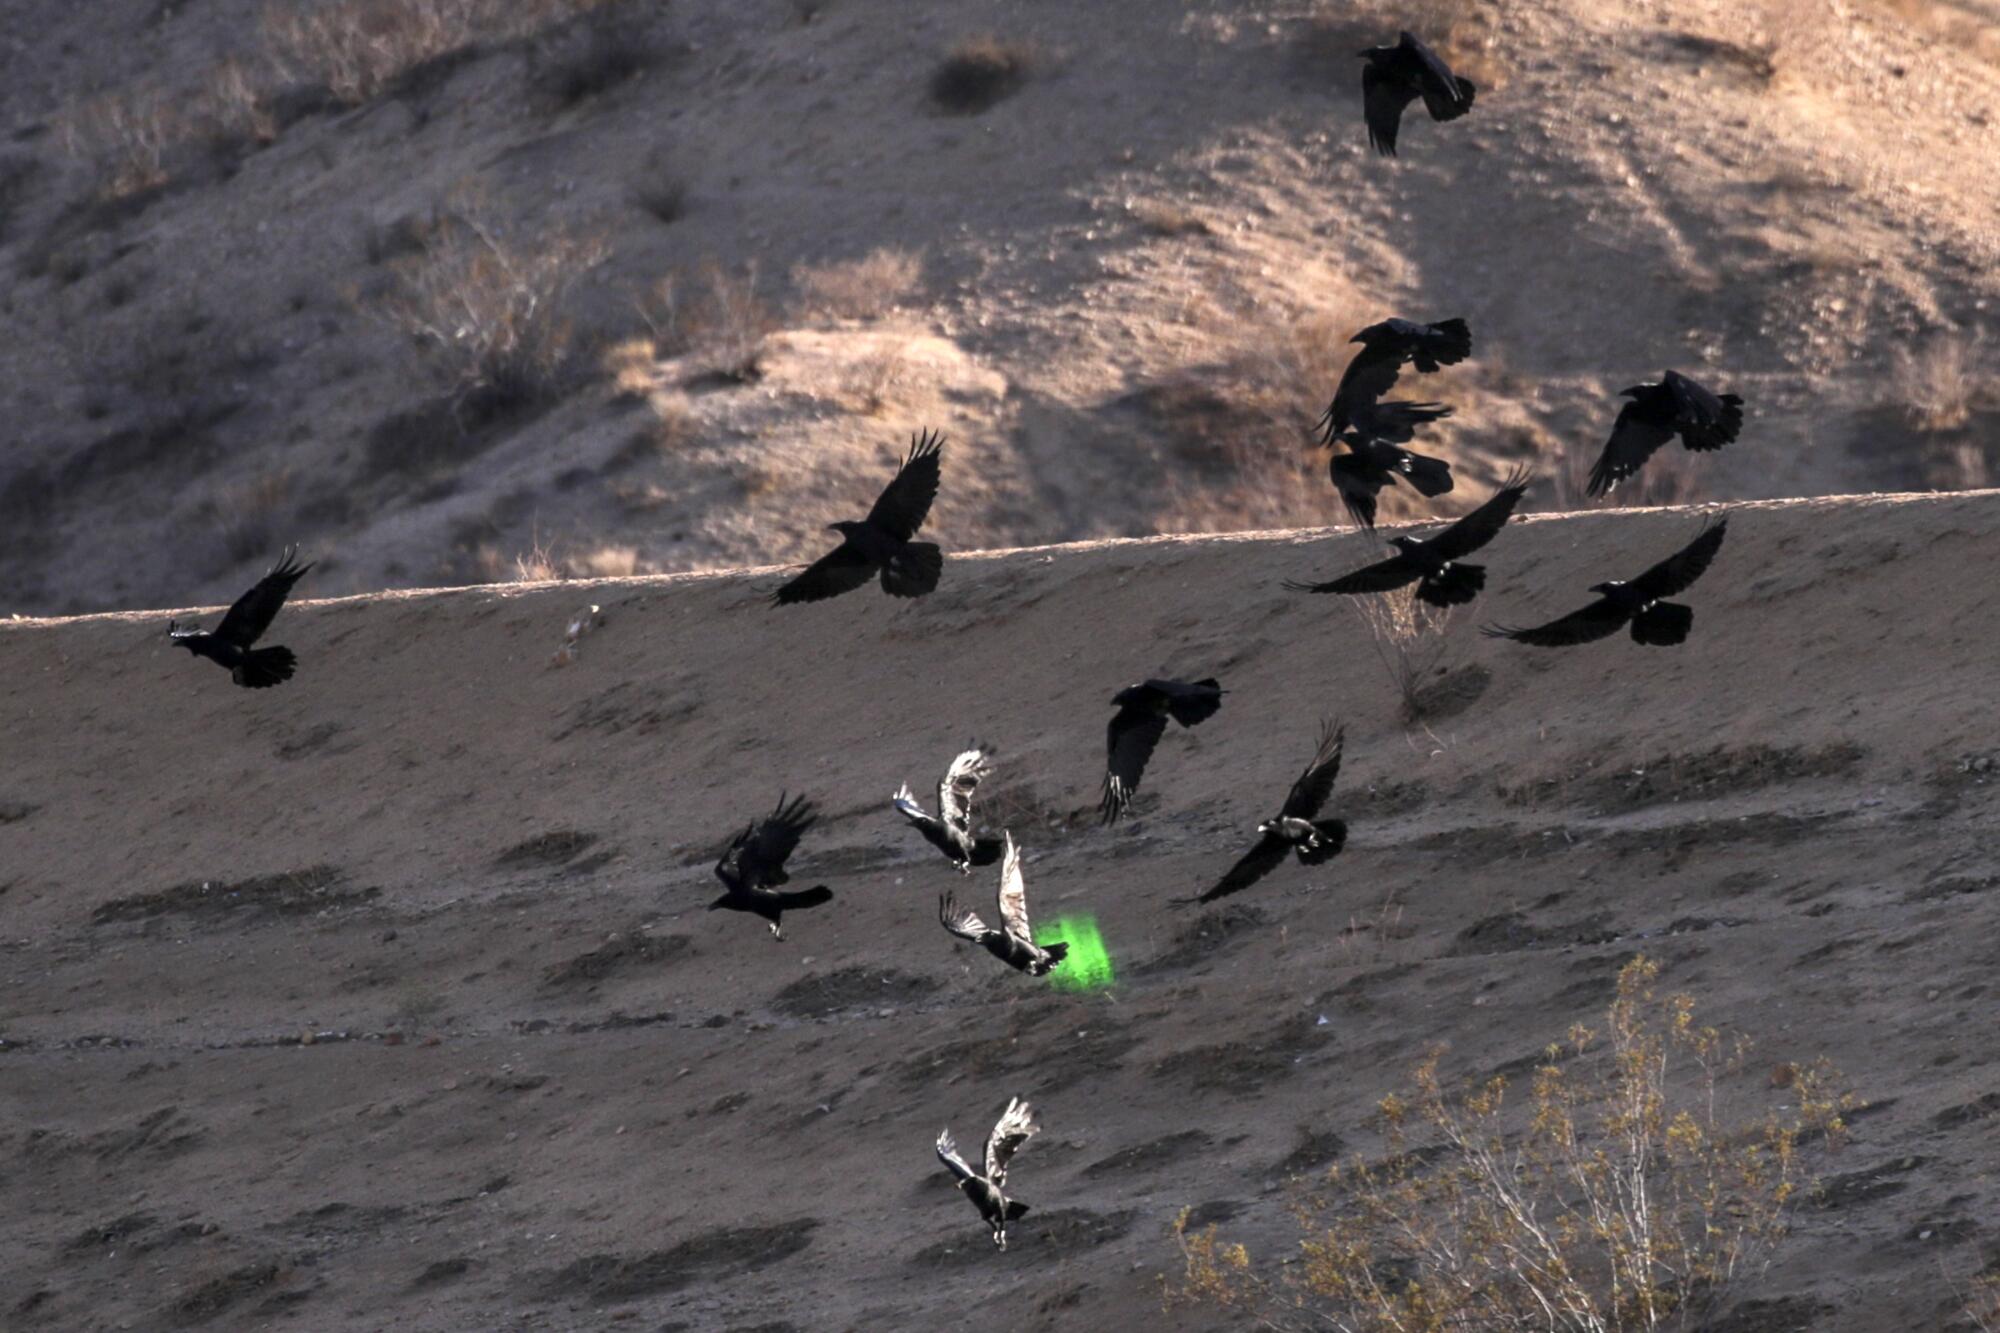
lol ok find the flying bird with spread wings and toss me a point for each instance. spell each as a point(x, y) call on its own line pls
point(1295, 828)
point(1397, 76)
point(1704, 419)
point(1436, 564)
point(1014, 943)
point(1641, 603)
point(987, 1189)
point(1373, 429)
point(753, 865)
point(243, 624)
point(950, 830)
point(884, 543)
point(1137, 726)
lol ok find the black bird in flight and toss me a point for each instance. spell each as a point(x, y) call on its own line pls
point(1654, 620)
point(884, 542)
point(1372, 429)
point(1397, 76)
point(951, 830)
point(1675, 406)
point(1294, 829)
point(1014, 943)
point(243, 624)
point(753, 865)
point(1436, 564)
point(987, 1189)
point(1137, 726)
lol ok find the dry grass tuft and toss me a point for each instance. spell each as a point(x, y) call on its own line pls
point(1623, 1196)
point(877, 378)
point(1672, 476)
point(488, 307)
point(980, 72)
point(127, 137)
point(247, 514)
point(864, 288)
point(720, 329)
point(1410, 640)
point(1942, 384)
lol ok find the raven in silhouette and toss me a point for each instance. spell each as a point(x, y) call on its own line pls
point(1372, 429)
point(1435, 564)
point(1137, 726)
point(951, 830)
point(1385, 349)
point(1675, 406)
point(753, 865)
point(1642, 602)
point(883, 543)
point(1014, 943)
point(1398, 75)
point(1294, 829)
point(243, 624)
point(987, 1189)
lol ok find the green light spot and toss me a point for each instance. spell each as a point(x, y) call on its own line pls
point(1087, 966)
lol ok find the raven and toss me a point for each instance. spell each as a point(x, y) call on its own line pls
point(1676, 405)
point(884, 541)
point(1137, 726)
point(1654, 620)
point(1434, 564)
point(1385, 348)
point(1013, 944)
point(229, 642)
point(1371, 428)
point(1014, 1128)
point(951, 830)
point(1294, 829)
point(1397, 76)
point(754, 864)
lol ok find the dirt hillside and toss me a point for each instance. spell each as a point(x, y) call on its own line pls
point(388, 998)
point(259, 289)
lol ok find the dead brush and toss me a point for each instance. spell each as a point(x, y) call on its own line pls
point(720, 329)
point(1941, 385)
point(1672, 476)
point(864, 288)
point(488, 307)
point(127, 137)
point(1622, 1197)
point(1409, 637)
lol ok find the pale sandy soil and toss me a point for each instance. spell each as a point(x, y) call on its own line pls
point(1137, 275)
point(478, 1058)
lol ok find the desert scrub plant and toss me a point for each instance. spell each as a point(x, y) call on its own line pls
point(980, 72)
point(1628, 1200)
point(720, 328)
point(864, 288)
point(1409, 637)
point(126, 136)
point(1940, 385)
point(487, 306)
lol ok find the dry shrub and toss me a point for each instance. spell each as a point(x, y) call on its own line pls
point(236, 103)
point(1240, 427)
point(1167, 218)
point(488, 307)
point(979, 72)
point(1410, 640)
point(359, 49)
point(1630, 1199)
point(126, 136)
point(864, 288)
point(1979, 1300)
point(721, 328)
point(1940, 385)
point(247, 514)
point(1464, 32)
point(877, 377)
point(610, 45)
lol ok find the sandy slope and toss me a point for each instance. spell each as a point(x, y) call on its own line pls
point(449, 1041)
point(1138, 273)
